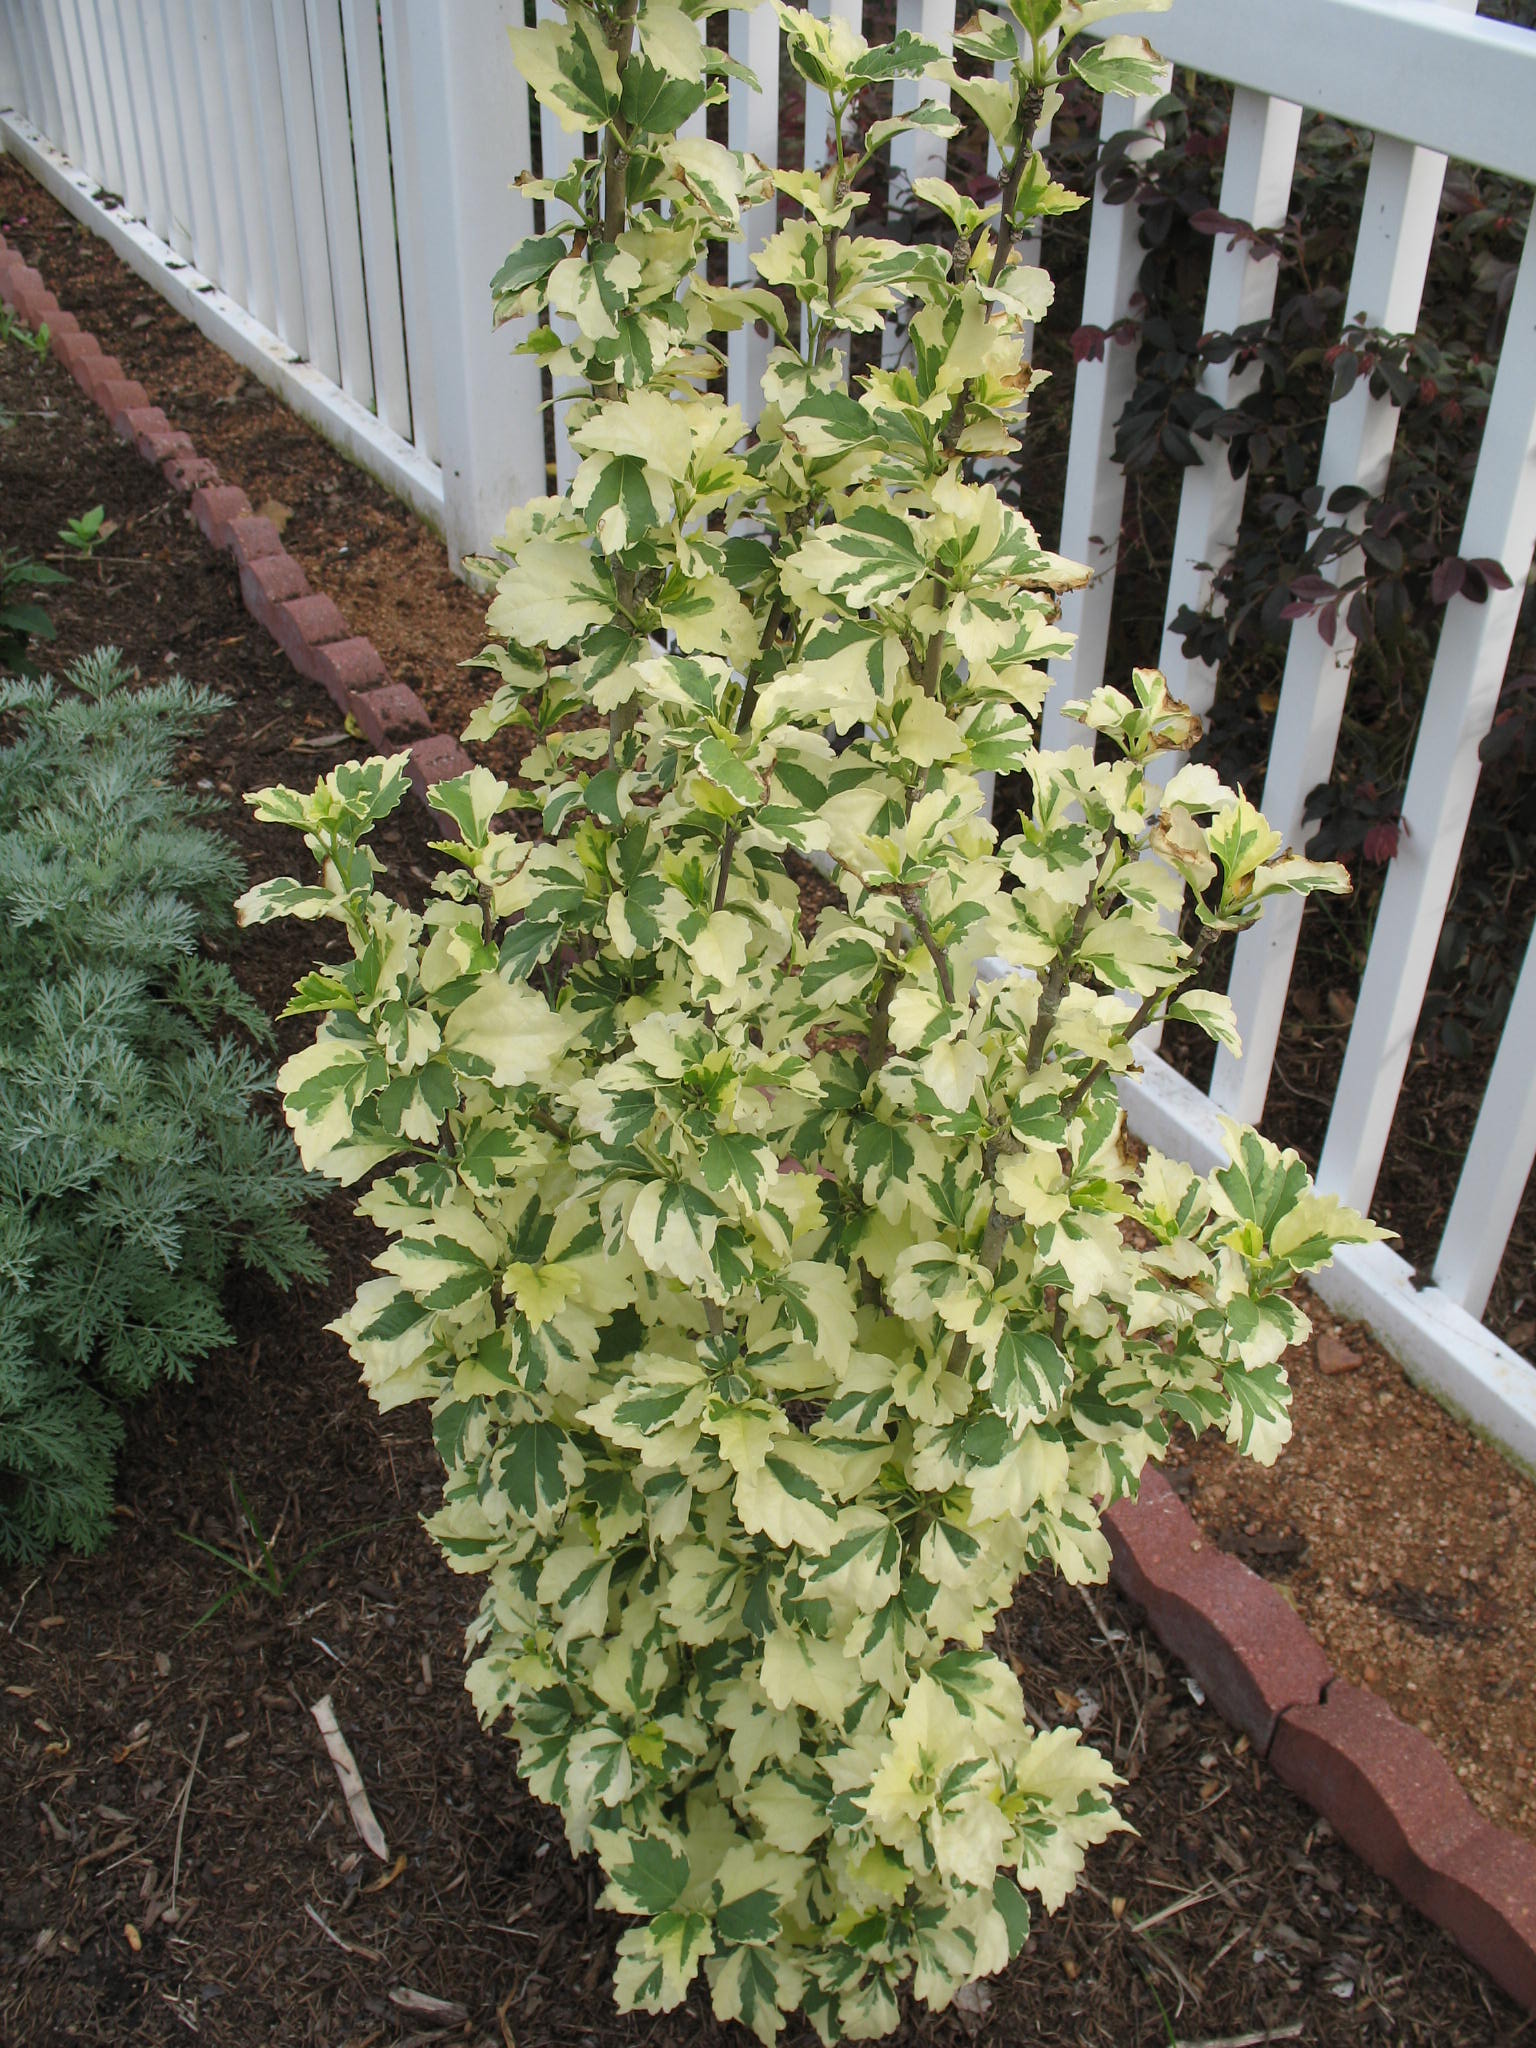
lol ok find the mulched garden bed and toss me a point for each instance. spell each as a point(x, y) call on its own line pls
point(151, 1760)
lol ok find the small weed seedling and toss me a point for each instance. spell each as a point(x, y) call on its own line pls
point(261, 1569)
point(11, 329)
point(86, 534)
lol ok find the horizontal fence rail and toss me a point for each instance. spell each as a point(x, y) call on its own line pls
point(323, 185)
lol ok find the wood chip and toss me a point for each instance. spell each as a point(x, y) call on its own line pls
point(363, 1817)
point(1334, 1355)
point(426, 2007)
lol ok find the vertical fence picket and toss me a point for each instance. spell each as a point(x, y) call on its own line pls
point(117, 85)
point(203, 224)
point(29, 92)
point(290, 44)
point(1094, 498)
point(753, 126)
point(1256, 188)
point(92, 155)
point(170, 121)
point(1470, 660)
point(224, 259)
point(338, 182)
point(1397, 227)
point(917, 154)
point(411, 226)
point(238, 141)
point(816, 130)
point(148, 110)
point(1499, 1159)
point(376, 212)
point(276, 195)
point(558, 150)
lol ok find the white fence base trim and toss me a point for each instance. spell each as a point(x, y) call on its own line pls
point(347, 425)
point(1441, 1348)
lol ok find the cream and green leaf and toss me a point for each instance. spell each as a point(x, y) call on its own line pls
point(783, 1289)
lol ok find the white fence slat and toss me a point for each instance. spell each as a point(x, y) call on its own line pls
point(1255, 187)
point(1499, 1159)
point(376, 212)
point(410, 221)
point(24, 85)
point(138, 117)
point(1397, 227)
point(818, 108)
point(338, 182)
point(753, 125)
point(240, 141)
point(1094, 498)
point(53, 55)
point(274, 193)
point(919, 154)
point(290, 42)
point(154, 118)
point(93, 155)
point(558, 150)
point(220, 252)
point(472, 113)
point(1463, 692)
point(196, 234)
point(94, 59)
point(174, 120)
point(112, 27)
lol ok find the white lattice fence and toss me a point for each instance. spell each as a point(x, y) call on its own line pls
point(323, 186)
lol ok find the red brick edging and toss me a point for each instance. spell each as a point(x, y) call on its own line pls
point(1381, 1784)
point(307, 627)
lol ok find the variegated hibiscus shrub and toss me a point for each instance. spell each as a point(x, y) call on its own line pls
point(781, 1283)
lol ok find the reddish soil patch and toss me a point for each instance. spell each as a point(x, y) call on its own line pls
point(1232, 1911)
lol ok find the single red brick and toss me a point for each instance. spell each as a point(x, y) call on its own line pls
point(1383, 1785)
point(391, 717)
point(20, 276)
point(1483, 1893)
point(61, 324)
point(73, 350)
point(141, 419)
point(437, 759)
point(252, 537)
point(344, 667)
point(96, 372)
point(268, 584)
point(118, 397)
point(309, 622)
point(1241, 1640)
point(38, 306)
point(189, 472)
point(214, 506)
point(161, 448)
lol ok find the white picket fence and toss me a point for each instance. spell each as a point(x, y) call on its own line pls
point(323, 186)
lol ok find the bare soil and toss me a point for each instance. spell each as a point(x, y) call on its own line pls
point(175, 1855)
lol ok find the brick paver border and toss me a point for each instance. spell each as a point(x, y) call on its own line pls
point(306, 625)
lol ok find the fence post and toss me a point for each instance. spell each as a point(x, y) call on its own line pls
point(471, 107)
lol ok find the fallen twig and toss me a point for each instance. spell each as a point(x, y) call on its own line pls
point(183, 1803)
point(351, 1948)
point(363, 1816)
point(1291, 2032)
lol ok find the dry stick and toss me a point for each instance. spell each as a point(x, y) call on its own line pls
point(181, 1817)
point(1290, 2032)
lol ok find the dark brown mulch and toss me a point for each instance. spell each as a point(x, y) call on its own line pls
point(1232, 1910)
